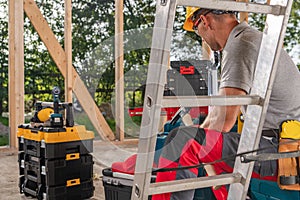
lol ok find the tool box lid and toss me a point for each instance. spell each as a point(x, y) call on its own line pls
point(116, 178)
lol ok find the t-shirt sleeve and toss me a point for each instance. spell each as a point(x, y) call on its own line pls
point(238, 65)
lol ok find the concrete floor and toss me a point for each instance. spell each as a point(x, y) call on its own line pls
point(104, 154)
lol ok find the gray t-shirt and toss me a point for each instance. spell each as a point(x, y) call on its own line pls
point(238, 66)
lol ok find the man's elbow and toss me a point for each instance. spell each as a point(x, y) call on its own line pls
point(228, 126)
point(226, 129)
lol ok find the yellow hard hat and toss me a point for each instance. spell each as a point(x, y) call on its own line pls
point(44, 114)
point(188, 24)
point(190, 11)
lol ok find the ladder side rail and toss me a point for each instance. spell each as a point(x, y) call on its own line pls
point(218, 100)
point(159, 58)
point(234, 6)
point(273, 36)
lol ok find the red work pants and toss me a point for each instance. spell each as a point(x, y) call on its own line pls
point(186, 146)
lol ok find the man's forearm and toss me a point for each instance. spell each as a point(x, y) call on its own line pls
point(221, 118)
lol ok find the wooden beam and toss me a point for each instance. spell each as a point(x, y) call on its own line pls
point(59, 57)
point(16, 69)
point(243, 15)
point(68, 50)
point(119, 69)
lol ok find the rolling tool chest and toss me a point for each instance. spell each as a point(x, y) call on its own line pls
point(55, 160)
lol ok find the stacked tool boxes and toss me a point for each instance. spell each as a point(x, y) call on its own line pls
point(54, 158)
point(55, 163)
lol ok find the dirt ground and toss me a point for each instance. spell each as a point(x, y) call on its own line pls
point(104, 154)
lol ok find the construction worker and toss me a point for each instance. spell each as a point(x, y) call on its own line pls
point(210, 141)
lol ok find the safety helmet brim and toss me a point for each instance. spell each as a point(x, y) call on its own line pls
point(188, 24)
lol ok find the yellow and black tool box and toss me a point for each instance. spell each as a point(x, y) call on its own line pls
point(57, 142)
point(33, 169)
point(21, 162)
point(74, 190)
point(20, 134)
point(32, 188)
point(77, 190)
point(21, 182)
point(55, 163)
point(54, 154)
point(59, 172)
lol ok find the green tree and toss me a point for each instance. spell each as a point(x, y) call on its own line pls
point(292, 36)
point(97, 70)
point(3, 56)
point(93, 45)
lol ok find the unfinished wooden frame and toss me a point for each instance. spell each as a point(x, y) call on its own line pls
point(62, 58)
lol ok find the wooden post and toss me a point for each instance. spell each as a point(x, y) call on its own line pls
point(119, 70)
point(58, 55)
point(16, 69)
point(68, 50)
point(243, 15)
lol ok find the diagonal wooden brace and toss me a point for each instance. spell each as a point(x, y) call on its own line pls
point(59, 57)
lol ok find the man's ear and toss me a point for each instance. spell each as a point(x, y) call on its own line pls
point(204, 21)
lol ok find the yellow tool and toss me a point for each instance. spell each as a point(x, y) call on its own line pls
point(44, 114)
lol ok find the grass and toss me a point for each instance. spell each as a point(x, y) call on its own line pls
point(4, 139)
point(112, 124)
point(4, 120)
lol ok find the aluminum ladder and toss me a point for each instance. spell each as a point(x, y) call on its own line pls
point(277, 17)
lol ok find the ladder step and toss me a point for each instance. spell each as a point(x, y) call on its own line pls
point(193, 183)
point(195, 101)
point(235, 6)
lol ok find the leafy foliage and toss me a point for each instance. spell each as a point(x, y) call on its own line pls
point(292, 37)
point(98, 67)
point(3, 56)
point(93, 47)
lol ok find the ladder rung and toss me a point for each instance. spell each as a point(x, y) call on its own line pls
point(193, 183)
point(195, 101)
point(235, 6)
